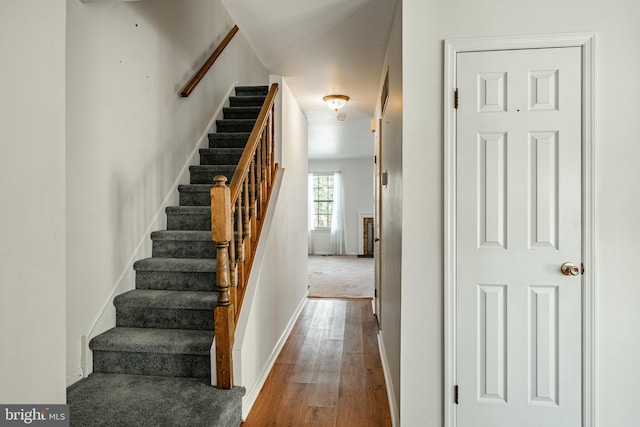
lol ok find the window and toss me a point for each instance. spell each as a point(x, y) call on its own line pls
point(322, 200)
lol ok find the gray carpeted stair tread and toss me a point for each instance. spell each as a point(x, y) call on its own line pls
point(228, 140)
point(188, 235)
point(222, 150)
point(246, 101)
point(214, 169)
point(252, 90)
point(220, 156)
point(184, 243)
point(204, 174)
point(103, 400)
point(189, 217)
point(188, 210)
point(195, 188)
point(195, 195)
point(241, 112)
point(184, 300)
point(148, 340)
point(201, 265)
point(235, 125)
point(225, 151)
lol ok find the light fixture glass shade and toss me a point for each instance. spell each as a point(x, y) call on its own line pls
point(336, 102)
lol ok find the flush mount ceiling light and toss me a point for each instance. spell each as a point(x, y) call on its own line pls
point(336, 102)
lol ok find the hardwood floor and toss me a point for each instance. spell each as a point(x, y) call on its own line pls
point(329, 372)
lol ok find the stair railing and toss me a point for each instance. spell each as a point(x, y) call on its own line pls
point(237, 215)
point(209, 62)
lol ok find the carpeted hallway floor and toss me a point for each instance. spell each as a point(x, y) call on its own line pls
point(336, 276)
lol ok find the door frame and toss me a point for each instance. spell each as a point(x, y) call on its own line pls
point(586, 41)
point(377, 223)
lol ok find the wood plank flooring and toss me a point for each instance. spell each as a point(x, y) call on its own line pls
point(329, 372)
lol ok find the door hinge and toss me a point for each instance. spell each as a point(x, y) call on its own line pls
point(455, 99)
point(582, 264)
point(375, 293)
point(455, 394)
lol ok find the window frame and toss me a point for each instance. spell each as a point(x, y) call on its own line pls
point(316, 201)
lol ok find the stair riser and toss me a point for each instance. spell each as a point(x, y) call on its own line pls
point(219, 158)
point(189, 222)
point(164, 318)
point(183, 249)
point(241, 113)
point(160, 364)
point(227, 141)
point(246, 101)
point(232, 126)
point(204, 176)
point(176, 281)
point(252, 90)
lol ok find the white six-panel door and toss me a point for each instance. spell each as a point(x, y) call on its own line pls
point(518, 324)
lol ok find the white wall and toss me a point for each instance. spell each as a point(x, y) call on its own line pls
point(32, 162)
point(357, 178)
point(129, 135)
point(270, 307)
point(425, 24)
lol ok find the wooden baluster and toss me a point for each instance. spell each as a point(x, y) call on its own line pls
point(265, 183)
point(232, 255)
point(269, 153)
point(247, 223)
point(239, 244)
point(222, 234)
point(273, 138)
point(254, 190)
point(259, 178)
point(233, 263)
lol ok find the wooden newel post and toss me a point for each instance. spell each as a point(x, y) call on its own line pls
point(222, 234)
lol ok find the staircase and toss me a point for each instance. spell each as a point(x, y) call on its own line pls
point(154, 367)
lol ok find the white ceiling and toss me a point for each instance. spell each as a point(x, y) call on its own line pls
point(323, 47)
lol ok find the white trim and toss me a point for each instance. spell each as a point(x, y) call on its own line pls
point(393, 404)
point(586, 41)
point(139, 252)
point(249, 399)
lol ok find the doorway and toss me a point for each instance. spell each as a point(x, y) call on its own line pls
point(519, 203)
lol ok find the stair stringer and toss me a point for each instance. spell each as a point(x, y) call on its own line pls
point(106, 318)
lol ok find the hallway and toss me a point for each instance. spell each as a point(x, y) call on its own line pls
point(329, 372)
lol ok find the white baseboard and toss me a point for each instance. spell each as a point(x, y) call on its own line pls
point(393, 404)
point(252, 394)
point(126, 281)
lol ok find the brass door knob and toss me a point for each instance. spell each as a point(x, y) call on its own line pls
point(569, 269)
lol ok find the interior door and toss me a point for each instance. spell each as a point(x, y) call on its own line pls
point(518, 162)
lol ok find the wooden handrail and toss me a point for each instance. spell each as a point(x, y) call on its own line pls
point(205, 67)
point(237, 216)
